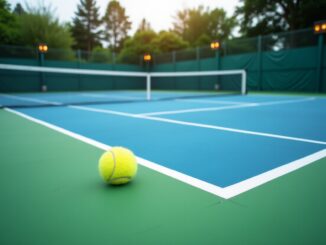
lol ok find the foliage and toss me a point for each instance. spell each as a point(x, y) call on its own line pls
point(149, 42)
point(38, 25)
point(260, 17)
point(192, 27)
point(117, 25)
point(19, 10)
point(101, 55)
point(8, 25)
point(169, 41)
point(144, 26)
point(180, 25)
point(199, 26)
point(85, 26)
point(139, 44)
point(219, 25)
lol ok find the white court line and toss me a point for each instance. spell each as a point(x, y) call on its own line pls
point(228, 107)
point(196, 110)
point(104, 111)
point(244, 103)
point(286, 101)
point(248, 184)
point(109, 96)
point(214, 127)
point(212, 101)
point(31, 99)
point(227, 192)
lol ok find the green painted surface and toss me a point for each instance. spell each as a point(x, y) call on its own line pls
point(51, 194)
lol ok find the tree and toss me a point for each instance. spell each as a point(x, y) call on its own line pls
point(180, 24)
point(169, 41)
point(149, 42)
point(144, 26)
point(136, 46)
point(19, 10)
point(117, 25)
point(199, 26)
point(86, 24)
point(8, 25)
point(219, 25)
point(259, 17)
point(101, 55)
point(40, 25)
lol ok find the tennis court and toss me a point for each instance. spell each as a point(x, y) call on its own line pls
point(210, 167)
point(172, 122)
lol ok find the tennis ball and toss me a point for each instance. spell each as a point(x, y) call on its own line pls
point(117, 166)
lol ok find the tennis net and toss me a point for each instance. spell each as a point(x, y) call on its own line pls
point(35, 86)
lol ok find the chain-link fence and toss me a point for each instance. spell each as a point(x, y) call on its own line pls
point(273, 42)
point(13, 52)
point(289, 40)
point(99, 56)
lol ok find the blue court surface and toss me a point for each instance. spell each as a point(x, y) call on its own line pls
point(219, 141)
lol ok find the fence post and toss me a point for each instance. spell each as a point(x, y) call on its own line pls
point(218, 58)
point(260, 65)
point(198, 65)
point(174, 62)
point(113, 66)
point(141, 60)
point(78, 52)
point(198, 58)
point(113, 60)
point(320, 63)
point(41, 63)
point(218, 66)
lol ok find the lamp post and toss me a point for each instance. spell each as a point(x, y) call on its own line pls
point(320, 30)
point(147, 59)
point(42, 49)
point(215, 45)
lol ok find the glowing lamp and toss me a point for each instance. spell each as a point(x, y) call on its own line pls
point(147, 57)
point(43, 48)
point(317, 28)
point(323, 27)
point(215, 45)
point(320, 27)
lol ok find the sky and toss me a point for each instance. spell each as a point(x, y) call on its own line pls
point(159, 13)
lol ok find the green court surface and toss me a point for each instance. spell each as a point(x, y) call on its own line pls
point(51, 193)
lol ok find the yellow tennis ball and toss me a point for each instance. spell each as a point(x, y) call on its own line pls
point(118, 166)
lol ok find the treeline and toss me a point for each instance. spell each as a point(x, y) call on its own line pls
point(88, 31)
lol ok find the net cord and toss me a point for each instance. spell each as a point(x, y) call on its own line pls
point(147, 75)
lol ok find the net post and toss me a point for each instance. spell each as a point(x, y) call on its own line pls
point(148, 86)
point(243, 82)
